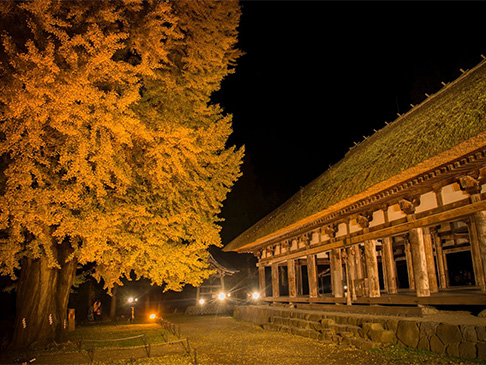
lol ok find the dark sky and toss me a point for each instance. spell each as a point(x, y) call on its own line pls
point(318, 76)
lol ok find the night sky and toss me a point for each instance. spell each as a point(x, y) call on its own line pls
point(318, 76)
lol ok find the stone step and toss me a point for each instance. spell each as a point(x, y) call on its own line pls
point(297, 322)
point(361, 343)
point(345, 328)
point(323, 337)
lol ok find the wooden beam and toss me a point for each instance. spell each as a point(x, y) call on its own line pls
point(389, 265)
point(372, 268)
point(351, 267)
point(408, 258)
point(429, 255)
point(312, 275)
point(439, 256)
point(275, 281)
point(430, 220)
point(337, 273)
point(419, 260)
point(292, 278)
point(478, 246)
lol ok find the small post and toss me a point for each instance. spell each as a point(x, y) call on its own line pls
point(179, 331)
point(80, 345)
point(188, 346)
point(195, 357)
point(91, 354)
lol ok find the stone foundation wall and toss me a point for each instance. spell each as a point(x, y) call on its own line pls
point(460, 340)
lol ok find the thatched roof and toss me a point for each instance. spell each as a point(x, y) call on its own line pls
point(447, 123)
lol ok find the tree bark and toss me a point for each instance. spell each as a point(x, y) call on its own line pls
point(42, 300)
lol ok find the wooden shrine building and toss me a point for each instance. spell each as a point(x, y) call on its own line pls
point(215, 284)
point(401, 219)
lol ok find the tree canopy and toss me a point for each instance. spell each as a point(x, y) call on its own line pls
point(109, 139)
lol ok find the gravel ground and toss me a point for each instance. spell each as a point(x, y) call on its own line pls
point(226, 341)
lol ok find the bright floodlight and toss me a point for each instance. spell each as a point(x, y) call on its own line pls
point(221, 296)
point(152, 316)
point(201, 301)
point(130, 300)
point(256, 295)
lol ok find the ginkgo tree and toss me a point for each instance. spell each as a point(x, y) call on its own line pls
point(112, 151)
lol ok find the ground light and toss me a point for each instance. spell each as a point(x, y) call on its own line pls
point(201, 301)
point(255, 295)
point(152, 316)
point(222, 296)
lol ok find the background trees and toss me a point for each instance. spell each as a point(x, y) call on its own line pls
point(112, 150)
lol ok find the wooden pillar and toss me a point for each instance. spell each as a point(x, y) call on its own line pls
point(261, 280)
point(221, 278)
point(360, 273)
point(275, 281)
point(336, 273)
point(292, 278)
point(429, 255)
point(439, 256)
point(372, 268)
point(478, 247)
point(298, 277)
point(312, 275)
point(419, 260)
point(351, 262)
point(389, 265)
point(408, 259)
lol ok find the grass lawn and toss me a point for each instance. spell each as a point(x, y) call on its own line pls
point(221, 340)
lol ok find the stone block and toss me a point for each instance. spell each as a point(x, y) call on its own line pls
point(382, 336)
point(453, 350)
point(424, 344)
point(363, 344)
point(469, 333)
point(408, 333)
point(316, 326)
point(428, 329)
point(363, 333)
point(468, 350)
point(327, 322)
point(481, 346)
point(392, 324)
point(372, 326)
point(449, 334)
point(436, 345)
point(481, 333)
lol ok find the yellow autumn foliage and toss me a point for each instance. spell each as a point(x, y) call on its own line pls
point(108, 136)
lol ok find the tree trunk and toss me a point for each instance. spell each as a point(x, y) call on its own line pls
point(113, 302)
point(42, 300)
